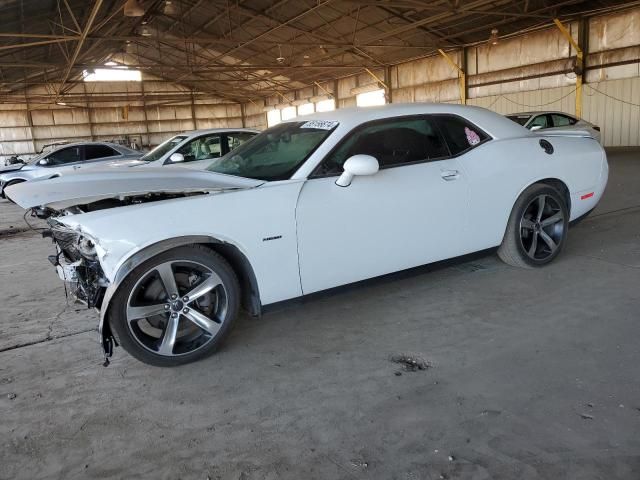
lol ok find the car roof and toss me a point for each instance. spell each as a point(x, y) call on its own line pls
point(195, 133)
point(116, 146)
point(542, 112)
point(496, 125)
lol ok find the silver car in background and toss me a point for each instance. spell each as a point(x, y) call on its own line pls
point(195, 149)
point(64, 159)
point(549, 121)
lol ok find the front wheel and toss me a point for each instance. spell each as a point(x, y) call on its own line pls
point(176, 307)
point(537, 228)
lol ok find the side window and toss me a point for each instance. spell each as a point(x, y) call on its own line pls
point(202, 148)
point(460, 134)
point(66, 155)
point(393, 142)
point(92, 152)
point(562, 120)
point(541, 121)
point(235, 139)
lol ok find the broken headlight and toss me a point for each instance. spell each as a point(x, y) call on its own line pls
point(87, 247)
point(74, 245)
point(77, 263)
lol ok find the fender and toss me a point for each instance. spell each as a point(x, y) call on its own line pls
point(239, 262)
point(558, 184)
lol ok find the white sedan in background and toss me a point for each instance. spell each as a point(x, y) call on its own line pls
point(194, 149)
point(554, 121)
point(168, 256)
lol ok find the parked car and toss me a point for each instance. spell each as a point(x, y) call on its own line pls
point(550, 121)
point(194, 149)
point(169, 255)
point(64, 159)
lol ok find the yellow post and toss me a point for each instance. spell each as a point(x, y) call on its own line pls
point(579, 64)
point(324, 90)
point(462, 77)
point(378, 79)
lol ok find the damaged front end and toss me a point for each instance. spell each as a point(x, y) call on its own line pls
point(77, 265)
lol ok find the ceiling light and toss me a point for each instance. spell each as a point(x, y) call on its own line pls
point(62, 104)
point(133, 9)
point(493, 38)
point(145, 31)
point(130, 48)
point(280, 58)
point(170, 8)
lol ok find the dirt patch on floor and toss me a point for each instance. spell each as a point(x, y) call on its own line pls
point(410, 363)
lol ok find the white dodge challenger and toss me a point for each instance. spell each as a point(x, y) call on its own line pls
point(169, 256)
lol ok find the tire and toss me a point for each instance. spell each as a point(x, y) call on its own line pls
point(534, 238)
point(165, 328)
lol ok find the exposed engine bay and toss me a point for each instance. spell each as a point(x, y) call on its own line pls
point(105, 203)
point(76, 263)
point(76, 259)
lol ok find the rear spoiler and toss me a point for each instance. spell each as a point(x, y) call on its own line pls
point(557, 132)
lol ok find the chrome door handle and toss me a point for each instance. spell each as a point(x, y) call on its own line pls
point(450, 175)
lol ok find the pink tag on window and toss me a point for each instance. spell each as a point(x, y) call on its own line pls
point(472, 137)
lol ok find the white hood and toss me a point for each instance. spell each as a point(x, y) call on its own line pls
point(102, 183)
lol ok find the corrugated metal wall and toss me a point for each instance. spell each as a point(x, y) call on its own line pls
point(25, 128)
point(521, 74)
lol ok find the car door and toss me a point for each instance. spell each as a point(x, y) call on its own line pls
point(541, 121)
point(412, 212)
point(64, 160)
point(560, 121)
point(204, 147)
point(96, 154)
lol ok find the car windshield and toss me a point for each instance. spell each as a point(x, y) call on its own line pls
point(162, 149)
point(276, 153)
point(521, 119)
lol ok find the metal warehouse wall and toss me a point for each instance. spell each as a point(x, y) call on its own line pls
point(26, 127)
point(530, 72)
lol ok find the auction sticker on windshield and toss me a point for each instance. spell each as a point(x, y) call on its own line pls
point(319, 124)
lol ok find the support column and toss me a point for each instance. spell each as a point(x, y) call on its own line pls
point(30, 121)
point(387, 80)
point(579, 68)
point(193, 112)
point(464, 87)
point(86, 105)
point(462, 77)
point(144, 110)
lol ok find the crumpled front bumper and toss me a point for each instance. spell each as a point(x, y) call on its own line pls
point(84, 279)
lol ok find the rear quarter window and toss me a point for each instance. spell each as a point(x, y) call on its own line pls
point(460, 134)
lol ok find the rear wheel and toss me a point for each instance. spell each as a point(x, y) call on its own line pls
point(537, 228)
point(176, 307)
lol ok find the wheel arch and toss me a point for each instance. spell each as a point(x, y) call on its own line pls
point(250, 293)
point(553, 182)
point(10, 183)
point(560, 186)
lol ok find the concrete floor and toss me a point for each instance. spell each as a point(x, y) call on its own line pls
point(535, 374)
